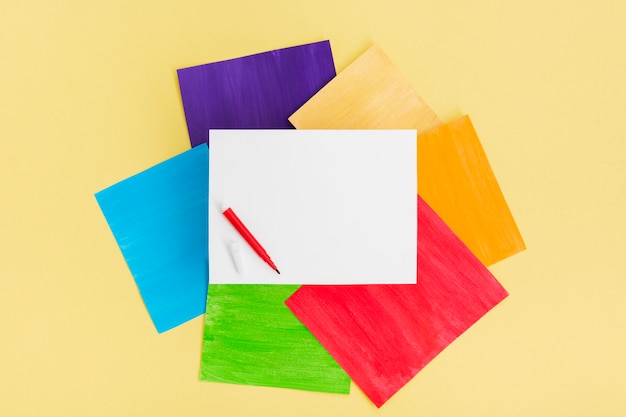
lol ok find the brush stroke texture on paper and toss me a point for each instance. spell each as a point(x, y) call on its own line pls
point(251, 338)
point(369, 94)
point(159, 220)
point(329, 206)
point(256, 91)
point(471, 201)
point(382, 335)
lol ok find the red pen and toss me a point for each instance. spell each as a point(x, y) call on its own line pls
point(245, 233)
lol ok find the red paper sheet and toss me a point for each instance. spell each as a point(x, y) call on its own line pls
point(382, 335)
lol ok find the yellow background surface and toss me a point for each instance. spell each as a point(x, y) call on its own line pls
point(89, 96)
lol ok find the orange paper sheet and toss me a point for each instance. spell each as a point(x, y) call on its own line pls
point(454, 175)
point(456, 180)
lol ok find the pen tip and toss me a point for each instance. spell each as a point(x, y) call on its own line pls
point(278, 271)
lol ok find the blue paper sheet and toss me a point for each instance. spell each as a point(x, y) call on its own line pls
point(159, 219)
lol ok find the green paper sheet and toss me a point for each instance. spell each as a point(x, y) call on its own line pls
point(251, 338)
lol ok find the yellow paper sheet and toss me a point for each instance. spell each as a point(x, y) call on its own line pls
point(370, 94)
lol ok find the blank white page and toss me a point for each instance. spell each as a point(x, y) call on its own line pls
point(328, 206)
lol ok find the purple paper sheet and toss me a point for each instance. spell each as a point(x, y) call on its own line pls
point(255, 91)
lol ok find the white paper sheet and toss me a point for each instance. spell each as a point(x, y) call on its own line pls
point(328, 206)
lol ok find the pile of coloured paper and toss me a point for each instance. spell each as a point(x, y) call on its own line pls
point(333, 202)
